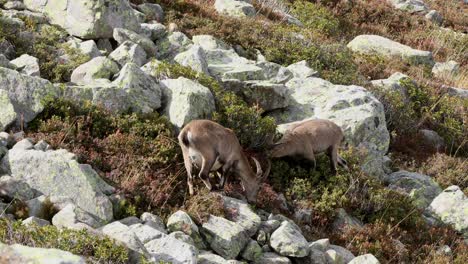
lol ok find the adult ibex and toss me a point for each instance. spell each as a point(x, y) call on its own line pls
point(211, 147)
point(310, 137)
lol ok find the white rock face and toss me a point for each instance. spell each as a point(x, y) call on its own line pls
point(377, 45)
point(451, 207)
point(97, 68)
point(194, 58)
point(57, 173)
point(365, 259)
point(412, 6)
point(186, 100)
point(235, 8)
point(25, 93)
point(353, 108)
point(7, 111)
point(288, 241)
point(446, 69)
point(129, 52)
point(170, 249)
point(24, 254)
point(27, 65)
point(88, 19)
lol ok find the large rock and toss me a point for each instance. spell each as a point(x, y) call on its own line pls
point(132, 89)
point(288, 241)
point(186, 100)
point(22, 254)
point(451, 207)
point(170, 249)
point(377, 45)
point(172, 44)
point(57, 173)
point(225, 237)
point(27, 65)
point(195, 58)
point(446, 69)
point(12, 188)
point(353, 108)
point(129, 52)
point(88, 19)
point(152, 11)
point(241, 213)
point(73, 217)
point(235, 8)
point(97, 68)
point(422, 188)
point(121, 35)
point(412, 6)
point(26, 93)
point(153, 31)
point(7, 111)
point(365, 259)
point(127, 237)
point(181, 221)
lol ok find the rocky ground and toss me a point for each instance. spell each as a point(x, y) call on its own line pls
point(93, 93)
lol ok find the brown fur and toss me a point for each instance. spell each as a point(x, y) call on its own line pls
point(310, 137)
point(216, 143)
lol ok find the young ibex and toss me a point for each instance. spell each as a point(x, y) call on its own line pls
point(310, 137)
point(211, 147)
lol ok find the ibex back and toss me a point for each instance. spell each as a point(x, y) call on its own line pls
point(210, 147)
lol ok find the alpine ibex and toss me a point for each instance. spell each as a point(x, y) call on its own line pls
point(310, 137)
point(211, 147)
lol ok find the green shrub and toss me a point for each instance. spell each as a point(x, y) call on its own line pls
point(94, 248)
point(252, 129)
point(315, 17)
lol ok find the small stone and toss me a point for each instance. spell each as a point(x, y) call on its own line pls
point(42, 146)
point(365, 259)
point(73, 217)
point(97, 68)
point(321, 244)
point(333, 257)
point(272, 258)
point(152, 11)
point(12, 188)
point(301, 69)
point(121, 35)
point(153, 31)
point(252, 251)
point(35, 220)
point(129, 52)
point(27, 65)
point(435, 17)
point(288, 241)
point(153, 221)
point(343, 252)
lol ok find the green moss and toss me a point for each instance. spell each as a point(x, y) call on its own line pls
point(94, 248)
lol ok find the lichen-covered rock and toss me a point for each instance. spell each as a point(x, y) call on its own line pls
point(36, 221)
point(181, 221)
point(272, 258)
point(152, 11)
point(235, 8)
point(7, 111)
point(73, 217)
point(26, 93)
point(12, 188)
point(446, 69)
point(193, 58)
point(153, 221)
point(127, 237)
point(377, 45)
point(365, 259)
point(225, 237)
point(153, 31)
point(343, 252)
point(88, 19)
point(27, 65)
point(145, 232)
point(412, 6)
point(57, 173)
point(241, 213)
point(129, 52)
point(394, 83)
point(422, 188)
point(451, 207)
point(186, 100)
point(22, 254)
point(252, 251)
point(97, 68)
point(353, 108)
point(301, 69)
point(121, 35)
point(172, 44)
point(288, 241)
point(170, 249)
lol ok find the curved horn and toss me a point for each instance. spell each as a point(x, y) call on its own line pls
point(267, 171)
point(259, 168)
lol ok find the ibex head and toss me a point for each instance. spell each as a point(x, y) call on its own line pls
point(250, 183)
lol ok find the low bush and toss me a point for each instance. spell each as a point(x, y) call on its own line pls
point(94, 248)
point(447, 170)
